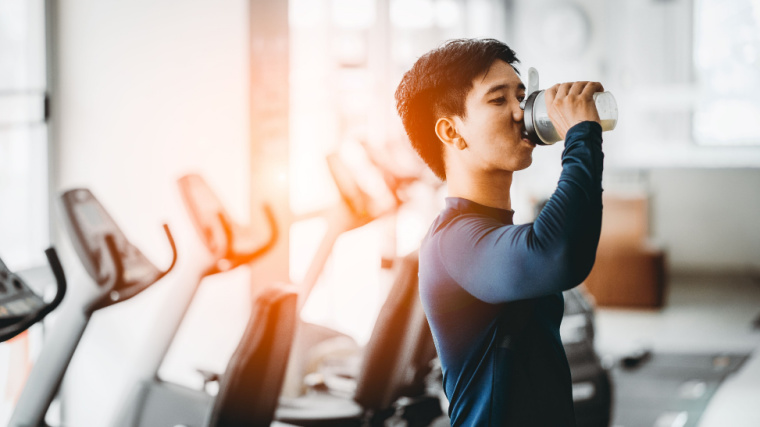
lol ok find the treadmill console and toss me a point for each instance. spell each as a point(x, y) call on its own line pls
point(361, 185)
point(109, 258)
point(17, 300)
point(20, 307)
point(207, 213)
point(230, 243)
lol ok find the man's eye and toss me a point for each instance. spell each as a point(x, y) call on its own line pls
point(499, 100)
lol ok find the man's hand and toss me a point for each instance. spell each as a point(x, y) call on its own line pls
point(571, 103)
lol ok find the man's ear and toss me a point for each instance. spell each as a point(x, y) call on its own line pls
point(446, 131)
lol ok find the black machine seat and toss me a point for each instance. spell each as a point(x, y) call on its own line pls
point(251, 385)
point(398, 354)
point(395, 363)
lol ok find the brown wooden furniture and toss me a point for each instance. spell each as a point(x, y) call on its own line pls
point(630, 271)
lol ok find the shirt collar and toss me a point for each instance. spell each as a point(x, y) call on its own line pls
point(465, 205)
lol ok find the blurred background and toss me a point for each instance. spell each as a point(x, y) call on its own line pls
point(123, 98)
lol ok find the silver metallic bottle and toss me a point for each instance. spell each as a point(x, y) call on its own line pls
point(540, 128)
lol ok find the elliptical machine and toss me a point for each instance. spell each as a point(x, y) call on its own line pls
point(389, 387)
point(119, 271)
point(249, 388)
point(393, 359)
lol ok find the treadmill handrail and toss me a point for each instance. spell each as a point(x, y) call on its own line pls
point(208, 216)
point(107, 297)
point(236, 259)
point(173, 245)
point(46, 377)
point(110, 282)
point(60, 279)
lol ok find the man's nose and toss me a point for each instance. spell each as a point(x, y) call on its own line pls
point(518, 114)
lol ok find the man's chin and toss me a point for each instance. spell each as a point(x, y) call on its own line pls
point(524, 165)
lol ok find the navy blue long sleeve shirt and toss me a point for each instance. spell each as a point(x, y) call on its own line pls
point(492, 293)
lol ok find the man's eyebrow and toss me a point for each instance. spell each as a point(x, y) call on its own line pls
point(497, 88)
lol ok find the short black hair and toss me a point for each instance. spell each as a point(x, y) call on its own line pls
point(437, 86)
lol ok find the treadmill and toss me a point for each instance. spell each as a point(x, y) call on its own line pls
point(118, 270)
point(20, 307)
point(394, 366)
point(249, 388)
point(389, 387)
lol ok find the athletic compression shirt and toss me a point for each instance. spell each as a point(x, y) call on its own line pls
point(492, 293)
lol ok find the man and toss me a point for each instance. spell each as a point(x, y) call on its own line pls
point(491, 290)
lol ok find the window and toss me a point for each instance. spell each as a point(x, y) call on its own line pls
point(727, 63)
point(23, 134)
point(24, 231)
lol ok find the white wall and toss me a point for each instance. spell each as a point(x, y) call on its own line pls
point(707, 219)
point(145, 92)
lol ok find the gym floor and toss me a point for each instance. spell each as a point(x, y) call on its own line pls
point(704, 315)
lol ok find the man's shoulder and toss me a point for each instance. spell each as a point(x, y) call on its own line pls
point(452, 230)
point(450, 219)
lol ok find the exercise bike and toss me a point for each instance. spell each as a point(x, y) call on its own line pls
point(118, 272)
point(249, 388)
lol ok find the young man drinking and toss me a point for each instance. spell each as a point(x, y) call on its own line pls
point(492, 290)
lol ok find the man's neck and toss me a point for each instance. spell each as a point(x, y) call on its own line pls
point(488, 189)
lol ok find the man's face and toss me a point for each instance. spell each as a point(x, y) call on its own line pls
point(494, 128)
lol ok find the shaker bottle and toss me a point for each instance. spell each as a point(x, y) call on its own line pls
point(537, 123)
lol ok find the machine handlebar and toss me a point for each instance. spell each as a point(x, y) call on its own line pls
point(23, 323)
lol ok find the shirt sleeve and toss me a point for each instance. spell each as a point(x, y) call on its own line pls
point(499, 263)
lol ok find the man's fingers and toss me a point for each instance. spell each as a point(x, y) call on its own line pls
point(563, 89)
point(583, 89)
point(577, 88)
point(571, 103)
point(591, 88)
point(550, 94)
